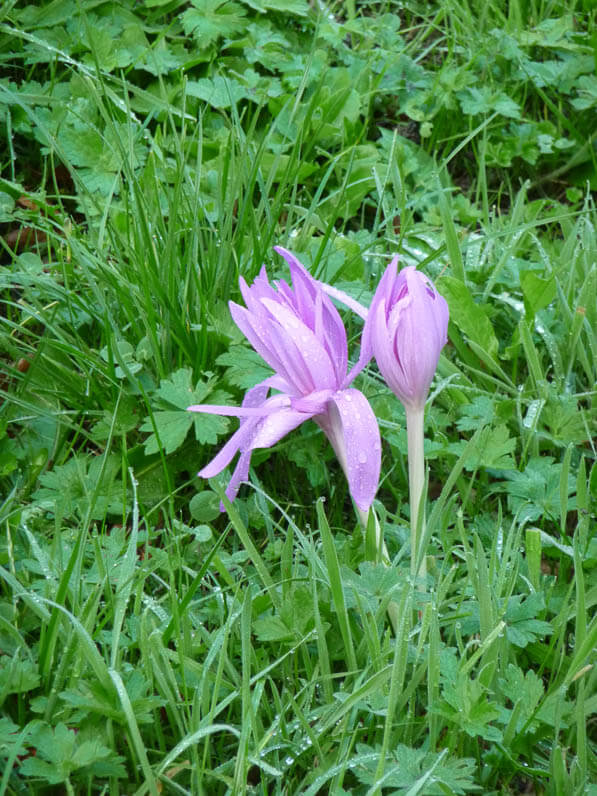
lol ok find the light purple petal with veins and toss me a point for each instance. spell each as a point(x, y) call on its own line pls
point(406, 330)
point(352, 429)
point(300, 334)
point(316, 360)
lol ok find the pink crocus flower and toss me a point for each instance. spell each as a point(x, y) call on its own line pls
point(299, 333)
point(405, 330)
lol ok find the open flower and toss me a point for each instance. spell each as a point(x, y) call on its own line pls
point(299, 333)
point(405, 330)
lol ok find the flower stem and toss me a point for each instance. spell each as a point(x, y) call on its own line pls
point(416, 481)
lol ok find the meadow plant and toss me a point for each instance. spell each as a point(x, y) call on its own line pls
point(405, 330)
point(299, 333)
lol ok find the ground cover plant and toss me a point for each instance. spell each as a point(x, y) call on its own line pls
point(154, 153)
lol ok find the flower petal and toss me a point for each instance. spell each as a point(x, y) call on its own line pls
point(345, 299)
point(355, 425)
point(315, 358)
point(317, 311)
point(305, 287)
point(256, 327)
point(225, 455)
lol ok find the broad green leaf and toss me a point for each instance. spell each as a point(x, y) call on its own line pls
point(479, 412)
point(522, 627)
point(219, 92)
point(298, 7)
point(538, 292)
point(494, 449)
point(244, 367)
point(416, 770)
point(172, 428)
point(469, 317)
point(208, 20)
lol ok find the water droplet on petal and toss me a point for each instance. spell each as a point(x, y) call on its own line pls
point(362, 457)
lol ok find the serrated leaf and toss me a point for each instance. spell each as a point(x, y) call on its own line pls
point(370, 586)
point(470, 317)
point(494, 449)
point(178, 389)
point(536, 491)
point(173, 425)
point(466, 704)
point(71, 487)
point(407, 768)
point(244, 367)
point(209, 20)
point(479, 412)
point(272, 628)
point(61, 751)
point(522, 687)
point(172, 429)
point(298, 7)
point(522, 627)
point(17, 675)
point(219, 92)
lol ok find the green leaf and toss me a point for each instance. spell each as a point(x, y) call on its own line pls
point(494, 449)
point(522, 627)
point(475, 100)
point(536, 491)
point(244, 367)
point(298, 7)
point(468, 316)
point(219, 92)
point(172, 428)
point(416, 770)
point(479, 412)
point(272, 628)
point(370, 587)
point(466, 704)
point(208, 20)
point(17, 675)
point(61, 751)
point(173, 425)
point(521, 687)
point(204, 506)
point(538, 292)
point(69, 488)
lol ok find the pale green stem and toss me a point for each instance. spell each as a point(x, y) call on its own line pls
point(416, 482)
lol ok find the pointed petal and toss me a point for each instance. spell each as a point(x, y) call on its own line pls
point(361, 443)
point(330, 330)
point(225, 455)
point(240, 474)
point(314, 404)
point(276, 426)
point(345, 299)
point(383, 349)
point(316, 360)
point(256, 327)
point(305, 287)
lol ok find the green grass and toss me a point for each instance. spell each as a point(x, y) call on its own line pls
point(150, 644)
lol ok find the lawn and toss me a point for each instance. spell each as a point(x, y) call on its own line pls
point(156, 637)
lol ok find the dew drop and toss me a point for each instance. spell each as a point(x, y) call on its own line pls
point(362, 457)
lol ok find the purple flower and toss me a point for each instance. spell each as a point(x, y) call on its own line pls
point(299, 333)
point(405, 330)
